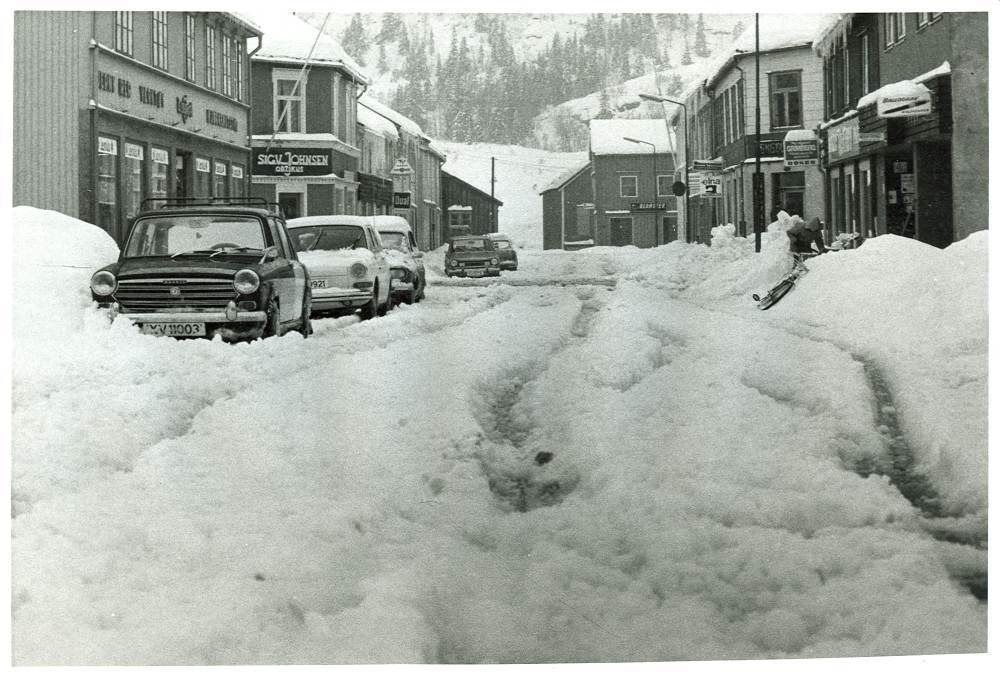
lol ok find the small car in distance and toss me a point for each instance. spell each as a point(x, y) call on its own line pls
point(505, 251)
point(471, 256)
point(406, 264)
point(198, 267)
point(348, 268)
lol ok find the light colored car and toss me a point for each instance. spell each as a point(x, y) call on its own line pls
point(347, 263)
point(406, 265)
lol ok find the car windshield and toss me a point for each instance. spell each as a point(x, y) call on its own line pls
point(395, 241)
point(477, 244)
point(502, 244)
point(176, 235)
point(312, 238)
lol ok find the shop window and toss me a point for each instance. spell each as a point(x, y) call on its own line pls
point(123, 32)
point(786, 99)
point(160, 40)
point(895, 27)
point(221, 174)
point(236, 184)
point(789, 190)
point(159, 173)
point(210, 49)
point(132, 175)
point(107, 184)
point(289, 102)
point(189, 47)
point(202, 177)
point(628, 186)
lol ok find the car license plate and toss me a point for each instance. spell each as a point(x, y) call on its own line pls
point(475, 273)
point(173, 328)
point(317, 284)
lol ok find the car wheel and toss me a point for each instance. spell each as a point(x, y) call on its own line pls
point(272, 325)
point(306, 328)
point(418, 289)
point(370, 309)
point(387, 306)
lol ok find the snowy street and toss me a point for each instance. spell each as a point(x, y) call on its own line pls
point(607, 455)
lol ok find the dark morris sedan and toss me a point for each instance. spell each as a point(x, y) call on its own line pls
point(471, 256)
point(204, 266)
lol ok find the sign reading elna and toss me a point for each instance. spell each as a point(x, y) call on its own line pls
point(291, 162)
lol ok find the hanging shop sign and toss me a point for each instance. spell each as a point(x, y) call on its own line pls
point(220, 169)
point(237, 172)
point(904, 100)
point(842, 141)
point(106, 146)
point(292, 162)
point(706, 184)
point(202, 165)
point(400, 200)
point(801, 148)
point(401, 167)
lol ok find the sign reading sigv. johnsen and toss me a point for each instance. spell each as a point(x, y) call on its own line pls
point(292, 162)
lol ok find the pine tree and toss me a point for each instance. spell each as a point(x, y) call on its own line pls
point(605, 112)
point(355, 39)
point(686, 59)
point(700, 44)
point(383, 65)
point(391, 25)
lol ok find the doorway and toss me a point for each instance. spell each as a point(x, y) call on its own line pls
point(291, 205)
point(182, 173)
point(621, 230)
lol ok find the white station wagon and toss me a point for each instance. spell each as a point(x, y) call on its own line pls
point(347, 264)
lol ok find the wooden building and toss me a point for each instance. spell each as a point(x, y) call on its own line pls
point(470, 210)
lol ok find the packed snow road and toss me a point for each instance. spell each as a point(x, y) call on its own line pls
point(525, 472)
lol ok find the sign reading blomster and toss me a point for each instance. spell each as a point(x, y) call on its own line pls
point(291, 161)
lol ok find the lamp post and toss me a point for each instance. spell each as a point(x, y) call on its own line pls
point(687, 184)
point(758, 179)
point(656, 212)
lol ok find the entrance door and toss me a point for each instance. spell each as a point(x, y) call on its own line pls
point(291, 204)
point(182, 174)
point(621, 230)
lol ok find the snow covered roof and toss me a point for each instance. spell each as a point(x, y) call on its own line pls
point(247, 22)
point(607, 137)
point(288, 38)
point(450, 171)
point(377, 123)
point(565, 176)
point(408, 125)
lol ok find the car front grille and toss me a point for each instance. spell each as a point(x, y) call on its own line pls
point(149, 294)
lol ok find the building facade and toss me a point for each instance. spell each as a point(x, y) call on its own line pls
point(129, 106)
point(568, 209)
point(304, 122)
point(632, 176)
point(468, 210)
point(906, 130)
point(723, 143)
point(378, 138)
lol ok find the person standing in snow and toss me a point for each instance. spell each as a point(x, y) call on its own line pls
point(802, 236)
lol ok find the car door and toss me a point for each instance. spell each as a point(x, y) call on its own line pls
point(418, 256)
point(290, 275)
point(381, 263)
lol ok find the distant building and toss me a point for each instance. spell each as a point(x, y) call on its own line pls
point(632, 174)
point(721, 131)
point(305, 133)
point(568, 208)
point(111, 108)
point(379, 137)
point(906, 124)
point(469, 210)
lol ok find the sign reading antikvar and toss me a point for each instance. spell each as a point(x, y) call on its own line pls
point(291, 161)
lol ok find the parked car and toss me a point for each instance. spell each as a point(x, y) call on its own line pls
point(207, 266)
point(406, 264)
point(348, 268)
point(505, 251)
point(471, 256)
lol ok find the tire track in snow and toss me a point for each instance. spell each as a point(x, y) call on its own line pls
point(517, 471)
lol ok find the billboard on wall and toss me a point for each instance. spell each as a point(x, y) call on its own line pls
point(801, 148)
point(292, 162)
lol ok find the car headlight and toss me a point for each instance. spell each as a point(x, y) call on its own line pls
point(397, 273)
point(246, 281)
point(359, 270)
point(494, 261)
point(450, 263)
point(103, 283)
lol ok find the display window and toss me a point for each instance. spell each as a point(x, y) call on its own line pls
point(221, 174)
point(159, 173)
point(202, 177)
point(107, 184)
point(133, 161)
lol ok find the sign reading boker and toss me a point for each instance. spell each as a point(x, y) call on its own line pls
point(291, 162)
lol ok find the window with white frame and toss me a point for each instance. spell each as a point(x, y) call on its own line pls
point(123, 32)
point(664, 185)
point(227, 66)
point(895, 27)
point(210, 49)
point(189, 47)
point(786, 99)
point(628, 186)
point(160, 40)
point(289, 101)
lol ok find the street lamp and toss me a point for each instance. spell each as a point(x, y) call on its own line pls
point(656, 188)
point(687, 184)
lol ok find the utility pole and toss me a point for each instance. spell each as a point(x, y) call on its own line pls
point(758, 179)
point(493, 204)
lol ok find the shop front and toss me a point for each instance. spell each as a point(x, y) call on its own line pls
point(374, 194)
point(303, 180)
point(156, 136)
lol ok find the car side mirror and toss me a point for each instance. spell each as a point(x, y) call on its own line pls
point(417, 254)
point(270, 254)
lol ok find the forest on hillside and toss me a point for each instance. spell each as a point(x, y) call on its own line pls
point(483, 88)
